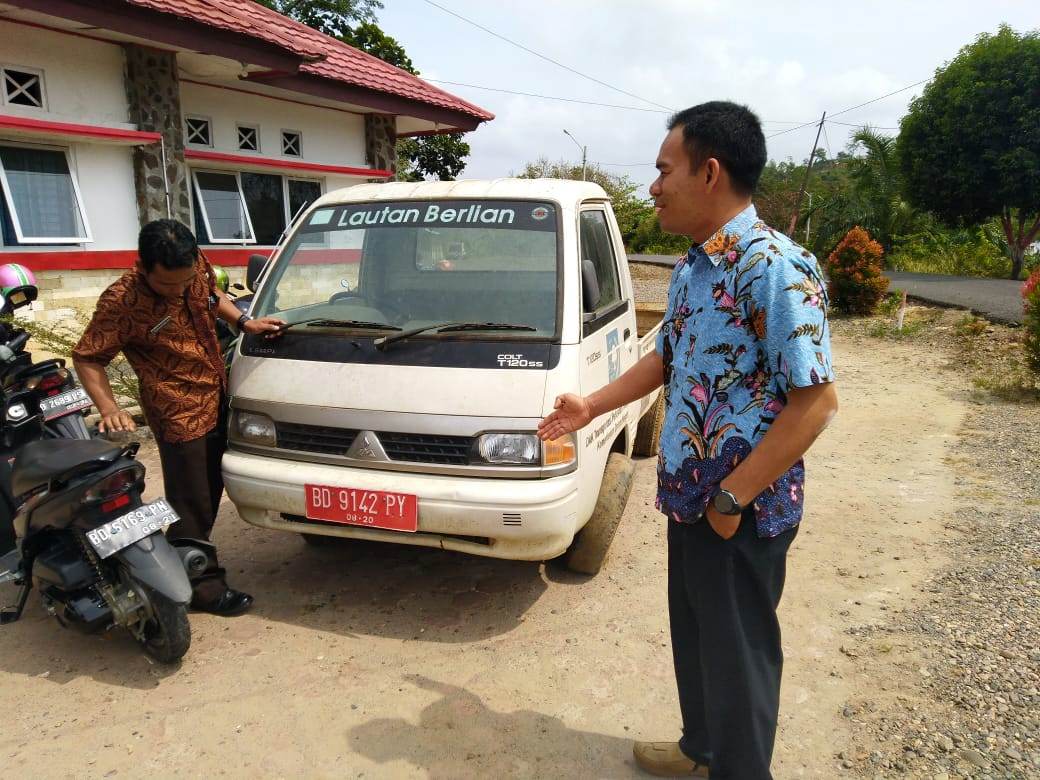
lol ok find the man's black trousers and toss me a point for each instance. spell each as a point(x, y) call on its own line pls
point(722, 599)
point(194, 485)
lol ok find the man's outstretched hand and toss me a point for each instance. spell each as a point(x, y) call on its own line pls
point(572, 413)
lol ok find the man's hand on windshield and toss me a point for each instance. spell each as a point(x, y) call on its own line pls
point(572, 412)
point(116, 421)
point(272, 326)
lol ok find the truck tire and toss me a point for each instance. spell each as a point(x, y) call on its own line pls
point(590, 546)
point(648, 432)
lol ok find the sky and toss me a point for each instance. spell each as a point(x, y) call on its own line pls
point(787, 61)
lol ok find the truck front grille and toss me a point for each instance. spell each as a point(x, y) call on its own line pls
point(315, 438)
point(425, 448)
point(405, 447)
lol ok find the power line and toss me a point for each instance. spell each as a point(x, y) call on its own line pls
point(544, 57)
point(550, 97)
point(851, 108)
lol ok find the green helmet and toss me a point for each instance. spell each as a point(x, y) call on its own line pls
point(220, 276)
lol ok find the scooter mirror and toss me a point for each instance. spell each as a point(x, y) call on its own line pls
point(255, 270)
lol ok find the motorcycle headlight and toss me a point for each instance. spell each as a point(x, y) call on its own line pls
point(255, 428)
point(510, 448)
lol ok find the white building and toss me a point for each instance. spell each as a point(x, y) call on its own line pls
point(224, 115)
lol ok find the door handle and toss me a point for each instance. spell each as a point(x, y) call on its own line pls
point(628, 334)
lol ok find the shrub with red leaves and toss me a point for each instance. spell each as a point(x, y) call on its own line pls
point(1031, 320)
point(855, 284)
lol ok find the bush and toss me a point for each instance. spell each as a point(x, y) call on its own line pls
point(973, 251)
point(855, 284)
point(60, 337)
point(1031, 320)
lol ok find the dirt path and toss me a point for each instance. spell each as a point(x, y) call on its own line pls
point(382, 661)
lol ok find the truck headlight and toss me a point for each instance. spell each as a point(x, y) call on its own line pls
point(255, 428)
point(515, 448)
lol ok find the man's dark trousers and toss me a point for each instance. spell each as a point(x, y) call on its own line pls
point(722, 599)
point(194, 485)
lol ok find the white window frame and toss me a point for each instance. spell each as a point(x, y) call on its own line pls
point(239, 127)
point(38, 72)
point(205, 213)
point(187, 132)
point(299, 142)
point(86, 238)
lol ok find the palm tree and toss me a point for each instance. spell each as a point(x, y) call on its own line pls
point(872, 198)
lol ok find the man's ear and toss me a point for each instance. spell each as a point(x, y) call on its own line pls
point(712, 170)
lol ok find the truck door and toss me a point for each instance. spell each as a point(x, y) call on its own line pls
point(608, 330)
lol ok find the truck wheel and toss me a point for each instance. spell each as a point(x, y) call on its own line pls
point(648, 432)
point(590, 546)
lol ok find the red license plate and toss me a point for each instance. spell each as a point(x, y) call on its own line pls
point(367, 508)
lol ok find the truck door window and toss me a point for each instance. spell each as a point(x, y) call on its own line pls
point(598, 247)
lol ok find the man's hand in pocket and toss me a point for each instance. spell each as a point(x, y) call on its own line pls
point(723, 525)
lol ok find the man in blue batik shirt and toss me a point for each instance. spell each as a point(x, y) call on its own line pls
point(744, 358)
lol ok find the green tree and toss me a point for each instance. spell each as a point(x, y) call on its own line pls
point(354, 22)
point(636, 218)
point(969, 147)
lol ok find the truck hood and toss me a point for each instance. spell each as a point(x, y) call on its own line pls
point(474, 392)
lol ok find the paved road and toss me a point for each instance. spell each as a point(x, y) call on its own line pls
point(996, 299)
point(999, 300)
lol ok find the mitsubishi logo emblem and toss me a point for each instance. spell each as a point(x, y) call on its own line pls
point(366, 446)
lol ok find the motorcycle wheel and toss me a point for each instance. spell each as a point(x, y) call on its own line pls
point(167, 635)
point(71, 426)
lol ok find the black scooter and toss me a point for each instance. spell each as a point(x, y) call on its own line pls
point(62, 401)
point(84, 538)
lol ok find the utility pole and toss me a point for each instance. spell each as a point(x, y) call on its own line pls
point(805, 181)
point(584, 150)
point(808, 219)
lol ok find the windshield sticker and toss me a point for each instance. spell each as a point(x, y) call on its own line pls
point(440, 214)
point(321, 217)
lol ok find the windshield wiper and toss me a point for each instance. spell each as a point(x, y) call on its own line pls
point(320, 322)
point(448, 327)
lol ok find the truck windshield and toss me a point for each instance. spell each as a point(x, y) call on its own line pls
point(412, 264)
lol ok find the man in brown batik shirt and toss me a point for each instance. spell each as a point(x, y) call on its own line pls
point(162, 315)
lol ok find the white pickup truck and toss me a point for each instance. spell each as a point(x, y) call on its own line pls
point(432, 326)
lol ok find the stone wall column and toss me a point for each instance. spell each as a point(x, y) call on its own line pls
point(154, 96)
point(381, 142)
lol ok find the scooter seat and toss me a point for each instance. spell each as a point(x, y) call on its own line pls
point(38, 462)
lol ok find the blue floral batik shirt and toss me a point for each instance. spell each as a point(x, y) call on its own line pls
point(746, 323)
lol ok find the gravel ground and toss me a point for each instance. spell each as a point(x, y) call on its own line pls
point(976, 626)
point(650, 283)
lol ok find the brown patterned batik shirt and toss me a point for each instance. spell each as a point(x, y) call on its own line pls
point(171, 343)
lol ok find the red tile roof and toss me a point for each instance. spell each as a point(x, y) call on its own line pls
point(324, 56)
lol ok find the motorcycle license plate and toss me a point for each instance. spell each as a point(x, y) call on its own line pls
point(367, 508)
point(134, 526)
point(64, 403)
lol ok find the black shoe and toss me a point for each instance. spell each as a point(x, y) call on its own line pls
point(231, 602)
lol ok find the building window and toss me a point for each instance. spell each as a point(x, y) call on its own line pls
point(22, 87)
point(292, 143)
point(247, 207)
point(41, 198)
point(248, 138)
point(220, 201)
point(199, 131)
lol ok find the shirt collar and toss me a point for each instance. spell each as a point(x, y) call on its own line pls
point(725, 239)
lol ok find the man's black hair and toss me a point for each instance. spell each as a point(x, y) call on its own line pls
point(168, 243)
point(731, 134)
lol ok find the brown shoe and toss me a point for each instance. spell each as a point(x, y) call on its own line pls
point(665, 759)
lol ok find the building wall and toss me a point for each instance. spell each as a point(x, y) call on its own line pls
point(329, 136)
point(83, 78)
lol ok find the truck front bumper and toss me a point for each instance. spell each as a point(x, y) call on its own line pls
point(518, 519)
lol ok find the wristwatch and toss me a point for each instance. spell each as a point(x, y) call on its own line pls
point(242, 321)
point(725, 503)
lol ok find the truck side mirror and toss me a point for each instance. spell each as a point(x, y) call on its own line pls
point(255, 270)
point(589, 285)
